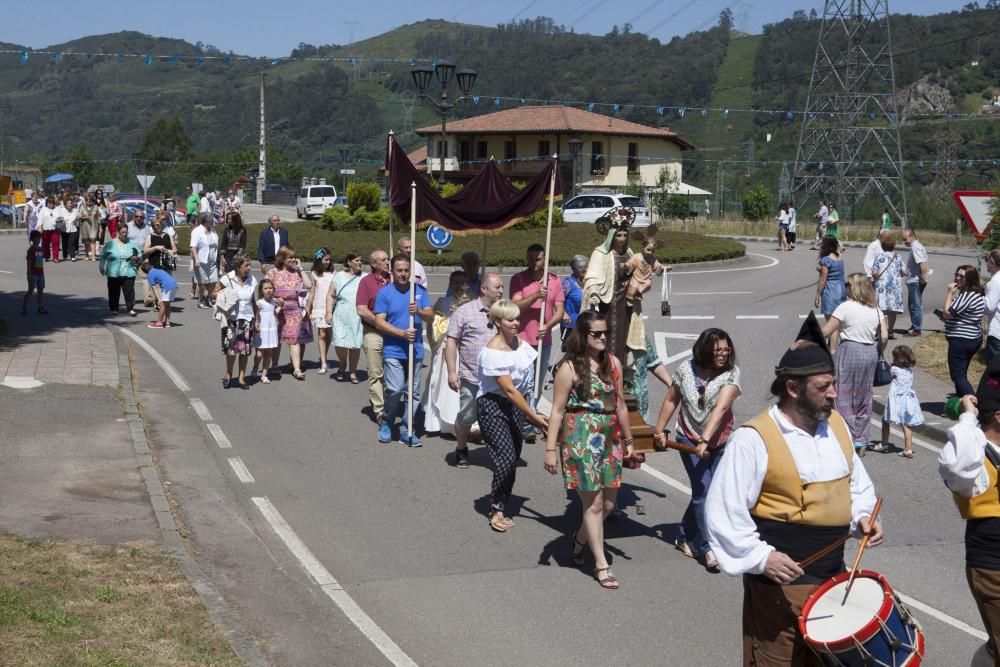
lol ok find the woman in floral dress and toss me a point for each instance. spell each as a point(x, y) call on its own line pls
point(290, 286)
point(586, 425)
point(888, 272)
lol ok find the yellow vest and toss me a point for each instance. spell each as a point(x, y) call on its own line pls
point(985, 505)
point(785, 497)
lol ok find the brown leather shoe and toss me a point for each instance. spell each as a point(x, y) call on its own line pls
point(912, 334)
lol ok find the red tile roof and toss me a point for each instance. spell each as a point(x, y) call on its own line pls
point(418, 157)
point(554, 119)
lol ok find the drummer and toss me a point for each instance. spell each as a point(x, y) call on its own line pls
point(790, 485)
point(968, 465)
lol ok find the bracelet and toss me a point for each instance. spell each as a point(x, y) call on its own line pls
point(660, 436)
point(552, 450)
point(628, 442)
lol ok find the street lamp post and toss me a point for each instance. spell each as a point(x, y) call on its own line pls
point(343, 166)
point(443, 70)
point(575, 147)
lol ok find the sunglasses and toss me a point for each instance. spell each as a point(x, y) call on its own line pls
point(598, 334)
point(701, 397)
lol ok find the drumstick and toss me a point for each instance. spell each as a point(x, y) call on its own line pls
point(861, 549)
point(822, 552)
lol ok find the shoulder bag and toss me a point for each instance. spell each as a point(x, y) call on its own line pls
point(883, 371)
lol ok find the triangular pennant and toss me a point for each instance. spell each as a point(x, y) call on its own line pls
point(475, 100)
point(57, 55)
point(590, 107)
point(704, 112)
point(659, 112)
point(725, 114)
point(616, 108)
point(681, 111)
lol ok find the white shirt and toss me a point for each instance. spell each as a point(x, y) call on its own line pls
point(244, 294)
point(918, 256)
point(961, 466)
point(205, 245)
point(823, 215)
point(204, 206)
point(277, 239)
point(419, 274)
point(858, 323)
point(792, 219)
point(519, 364)
point(47, 219)
point(783, 218)
point(736, 484)
point(992, 294)
point(871, 253)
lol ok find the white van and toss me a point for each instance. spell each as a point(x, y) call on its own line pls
point(314, 199)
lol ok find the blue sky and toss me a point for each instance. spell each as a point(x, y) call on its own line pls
point(268, 28)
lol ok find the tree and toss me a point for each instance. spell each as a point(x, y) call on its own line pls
point(971, 7)
point(812, 14)
point(80, 163)
point(669, 205)
point(799, 15)
point(757, 202)
point(726, 20)
point(165, 141)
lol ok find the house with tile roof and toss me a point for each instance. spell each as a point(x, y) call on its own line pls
point(613, 152)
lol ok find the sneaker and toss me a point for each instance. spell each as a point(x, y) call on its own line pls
point(202, 304)
point(414, 441)
point(384, 433)
point(156, 325)
point(462, 458)
point(407, 439)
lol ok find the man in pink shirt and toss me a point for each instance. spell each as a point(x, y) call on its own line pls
point(372, 339)
point(528, 291)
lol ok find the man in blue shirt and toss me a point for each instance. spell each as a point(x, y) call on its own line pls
point(392, 319)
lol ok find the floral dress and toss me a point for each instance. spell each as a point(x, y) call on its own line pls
point(590, 438)
point(889, 285)
point(293, 328)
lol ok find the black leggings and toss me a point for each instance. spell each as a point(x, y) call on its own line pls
point(119, 286)
point(502, 425)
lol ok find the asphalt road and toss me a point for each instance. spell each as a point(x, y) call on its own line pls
point(405, 535)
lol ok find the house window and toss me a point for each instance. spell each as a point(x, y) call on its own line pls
point(509, 150)
point(482, 150)
point(465, 151)
point(633, 158)
point(597, 158)
point(543, 149)
point(442, 151)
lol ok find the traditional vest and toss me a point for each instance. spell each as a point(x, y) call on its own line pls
point(800, 518)
point(985, 505)
point(982, 529)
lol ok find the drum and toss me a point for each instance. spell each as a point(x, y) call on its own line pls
point(871, 628)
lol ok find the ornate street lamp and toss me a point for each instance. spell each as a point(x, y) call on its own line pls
point(444, 71)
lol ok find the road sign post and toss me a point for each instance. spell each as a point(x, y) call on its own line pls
point(145, 180)
point(439, 237)
point(975, 207)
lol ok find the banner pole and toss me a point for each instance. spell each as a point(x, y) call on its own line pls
point(413, 257)
point(388, 180)
point(539, 380)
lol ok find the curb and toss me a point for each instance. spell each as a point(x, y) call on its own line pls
point(931, 432)
point(239, 639)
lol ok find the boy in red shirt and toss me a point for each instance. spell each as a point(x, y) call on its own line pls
point(34, 260)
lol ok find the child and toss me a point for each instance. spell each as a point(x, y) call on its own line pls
point(164, 289)
point(266, 340)
point(34, 260)
point(901, 404)
point(643, 265)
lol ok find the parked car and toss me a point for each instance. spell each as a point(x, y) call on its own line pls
point(342, 201)
point(314, 199)
point(588, 208)
point(13, 215)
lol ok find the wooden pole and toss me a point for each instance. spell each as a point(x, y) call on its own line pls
point(413, 288)
point(539, 380)
point(388, 180)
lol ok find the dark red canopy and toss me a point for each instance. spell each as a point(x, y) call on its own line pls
point(487, 203)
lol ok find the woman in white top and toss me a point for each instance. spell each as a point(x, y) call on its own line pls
point(992, 294)
point(240, 321)
point(205, 258)
point(783, 227)
point(320, 302)
point(70, 230)
point(506, 367)
point(860, 328)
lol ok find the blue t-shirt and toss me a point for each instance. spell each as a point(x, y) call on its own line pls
point(164, 280)
point(574, 300)
point(396, 306)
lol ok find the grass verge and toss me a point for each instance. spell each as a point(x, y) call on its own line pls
point(503, 249)
point(75, 603)
point(932, 356)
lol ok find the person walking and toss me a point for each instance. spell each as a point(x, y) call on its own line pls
point(504, 370)
point(793, 225)
point(705, 390)
point(291, 287)
point(119, 261)
point(902, 407)
point(88, 218)
point(191, 206)
point(116, 215)
point(860, 327)
point(964, 306)
point(320, 303)
point(830, 287)
point(205, 258)
point(347, 332)
point(240, 321)
point(833, 223)
point(34, 260)
point(368, 289)
point(159, 246)
point(233, 241)
point(886, 219)
point(70, 231)
point(916, 281)
point(50, 231)
point(441, 400)
point(266, 340)
point(271, 239)
point(783, 227)
point(403, 249)
point(992, 302)
point(587, 431)
point(822, 218)
point(573, 293)
point(888, 276)
point(393, 309)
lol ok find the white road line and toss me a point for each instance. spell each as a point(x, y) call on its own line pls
point(660, 340)
point(10, 272)
point(219, 436)
point(756, 317)
point(692, 317)
point(774, 262)
point(241, 470)
point(329, 585)
point(916, 604)
point(706, 293)
point(202, 409)
point(167, 367)
point(916, 441)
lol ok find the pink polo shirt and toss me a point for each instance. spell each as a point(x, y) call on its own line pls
point(522, 285)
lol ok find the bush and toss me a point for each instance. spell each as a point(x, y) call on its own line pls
point(540, 218)
point(757, 202)
point(671, 206)
point(338, 219)
point(365, 196)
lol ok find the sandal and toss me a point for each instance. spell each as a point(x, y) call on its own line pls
point(609, 581)
point(339, 377)
point(265, 379)
point(576, 554)
point(882, 447)
point(354, 379)
point(497, 522)
point(907, 455)
point(683, 547)
point(298, 375)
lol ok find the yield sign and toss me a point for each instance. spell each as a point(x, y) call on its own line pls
point(975, 206)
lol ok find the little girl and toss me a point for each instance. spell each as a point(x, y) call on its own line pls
point(901, 404)
point(643, 265)
point(266, 340)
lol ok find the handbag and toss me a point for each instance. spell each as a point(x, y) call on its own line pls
point(883, 371)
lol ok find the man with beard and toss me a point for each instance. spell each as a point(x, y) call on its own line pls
point(789, 485)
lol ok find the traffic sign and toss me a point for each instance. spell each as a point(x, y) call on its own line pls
point(347, 172)
point(145, 180)
point(438, 237)
point(975, 207)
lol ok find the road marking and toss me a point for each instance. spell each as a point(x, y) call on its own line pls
point(660, 339)
point(241, 470)
point(219, 436)
point(202, 409)
point(692, 317)
point(774, 262)
point(916, 604)
point(756, 317)
point(167, 367)
point(329, 585)
point(10, 272)
point(916, 441)
point(706, 293)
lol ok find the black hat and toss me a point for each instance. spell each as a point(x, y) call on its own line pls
point(988, 394)
point(809, 354)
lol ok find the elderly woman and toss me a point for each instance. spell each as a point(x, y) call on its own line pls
point(90, 225)
point(705, 390)
point(233, 242)
point(205, 258)
point(347, 330)
point(119, 263)
point(573, 291)
point(888, 272)
point(860, 327)
point(239, 318)
point(964, 306)
point(292, 286)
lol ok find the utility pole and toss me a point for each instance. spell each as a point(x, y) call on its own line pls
point(750, 147)
point(262, 163)
point(1, 138)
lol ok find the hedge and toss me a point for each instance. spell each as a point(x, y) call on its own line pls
point(503, 249)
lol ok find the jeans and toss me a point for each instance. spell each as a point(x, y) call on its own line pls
point(915, 304)
point(700, 473)
point(119, 286)
point(394, 372)
point(992, 349)
point(960, 353)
